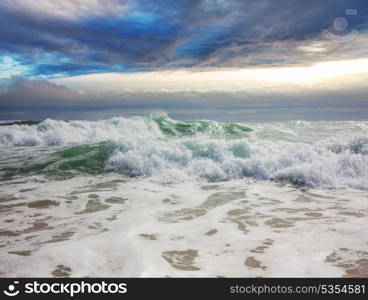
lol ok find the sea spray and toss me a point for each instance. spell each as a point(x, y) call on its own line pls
point(328, 155)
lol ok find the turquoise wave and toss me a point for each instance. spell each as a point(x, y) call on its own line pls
point(172, 128)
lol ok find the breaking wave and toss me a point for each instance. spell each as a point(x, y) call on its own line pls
point(61, 133)
point(167, 150)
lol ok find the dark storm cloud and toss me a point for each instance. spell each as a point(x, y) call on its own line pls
point(166, 34)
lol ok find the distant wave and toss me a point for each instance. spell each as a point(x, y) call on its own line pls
point(167, 150)
point(60, 133)
point(18, 122)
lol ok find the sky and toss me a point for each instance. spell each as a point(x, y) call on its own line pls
point(239, 60)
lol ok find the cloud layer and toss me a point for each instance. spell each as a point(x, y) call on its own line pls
point(63, 38)
point(51, 50)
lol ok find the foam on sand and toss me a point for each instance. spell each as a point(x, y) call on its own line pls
point(234, 228)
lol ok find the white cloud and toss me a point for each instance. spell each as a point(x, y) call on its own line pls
point(10, 67)
point(69, 9)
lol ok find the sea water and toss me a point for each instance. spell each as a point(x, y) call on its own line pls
point(152, 196)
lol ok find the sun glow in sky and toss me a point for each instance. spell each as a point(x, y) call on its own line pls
point(218, 79)
point(77, 55)
point(316, 73)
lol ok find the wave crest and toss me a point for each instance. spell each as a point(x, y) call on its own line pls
point(62, 133)
point(167, 150)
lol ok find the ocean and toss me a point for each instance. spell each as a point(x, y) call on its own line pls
point(156, 197)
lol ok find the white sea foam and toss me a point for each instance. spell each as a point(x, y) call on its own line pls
point(291, 232)
point(325, 154)
point(244, 225)
point(310, 164)
point(61, 133)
